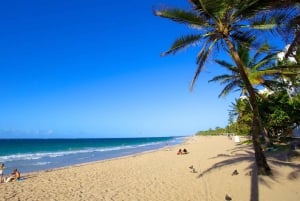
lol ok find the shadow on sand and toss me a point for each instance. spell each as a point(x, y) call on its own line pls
point(245, 153)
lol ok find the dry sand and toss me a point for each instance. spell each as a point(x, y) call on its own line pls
point(164, 175)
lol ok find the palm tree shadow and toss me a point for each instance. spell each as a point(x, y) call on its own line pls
point(295, 174)
point(254, 192)
point(240, 154)
point(235, 157)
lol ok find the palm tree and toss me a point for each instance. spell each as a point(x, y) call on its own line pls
point(263, 70)
point(260, 70)
point(219, 24)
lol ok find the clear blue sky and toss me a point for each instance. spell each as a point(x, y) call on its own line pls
point(92, 68)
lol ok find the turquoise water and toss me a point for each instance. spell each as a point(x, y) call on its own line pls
point(30, 155)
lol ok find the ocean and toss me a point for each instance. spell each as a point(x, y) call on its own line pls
point(30, 155)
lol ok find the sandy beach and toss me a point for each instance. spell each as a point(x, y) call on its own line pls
point(165, 176)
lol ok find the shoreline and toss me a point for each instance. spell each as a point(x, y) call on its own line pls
point(163, 175)
point(72, 153)
point(187, 138)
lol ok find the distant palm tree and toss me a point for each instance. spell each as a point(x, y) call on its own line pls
point(263, 70)
point(240, 109)
point(219, 24)
point(260, 70)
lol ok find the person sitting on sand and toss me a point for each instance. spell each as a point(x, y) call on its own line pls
point(1, 172)
point(185, 151)
point(179, 152)
point(15, 176)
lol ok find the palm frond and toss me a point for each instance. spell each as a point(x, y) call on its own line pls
point(264, 24)
point(293, 47)
point(227, 65)
point(264, 48)
point(181, 16)
point(244, 38)
point(226, 23)
point(292, 27)
point(259, 75)
point(272, 21)
point(278, 4)
point(271, 84)
point(294, 67)
point(247, 9)
point(181, 43)
point(223, 79)
point(265, 61)
point(196, 4)
point(201, 59)
point(243, 52)
point(229, 88)
point(213, 8)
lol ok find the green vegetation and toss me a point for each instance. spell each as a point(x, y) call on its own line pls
point(216, 131)
point(279, 113)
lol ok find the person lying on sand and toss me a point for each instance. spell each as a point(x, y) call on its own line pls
point(185, 151)
point(15, 176)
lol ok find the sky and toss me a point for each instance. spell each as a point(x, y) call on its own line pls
point(92, 68)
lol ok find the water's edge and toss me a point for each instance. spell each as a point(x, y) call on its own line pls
point(80, 158)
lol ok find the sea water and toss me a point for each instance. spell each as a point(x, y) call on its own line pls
point(29, 155)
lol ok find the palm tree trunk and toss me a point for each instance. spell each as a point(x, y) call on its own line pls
point(262, 130)
point(261, 162)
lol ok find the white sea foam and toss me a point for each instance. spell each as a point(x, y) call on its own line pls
point(41, 163)
point(39, 155)
point(148, 144)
